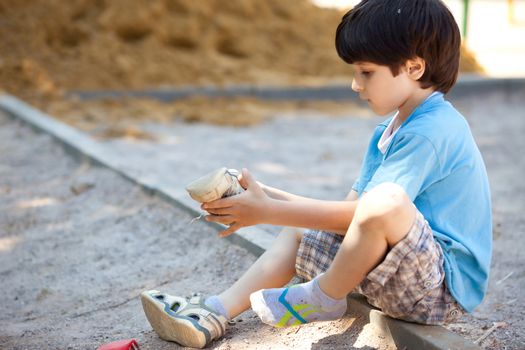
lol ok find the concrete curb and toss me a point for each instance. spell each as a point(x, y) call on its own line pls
point(467, 85)
point(81, 145)
point(406, 335)
point(403, 335)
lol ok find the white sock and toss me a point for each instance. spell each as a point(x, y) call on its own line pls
point(215, 303)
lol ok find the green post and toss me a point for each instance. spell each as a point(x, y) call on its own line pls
point(510, 7)
point(465, 18)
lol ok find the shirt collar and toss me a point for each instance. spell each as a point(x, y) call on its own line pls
point(431, 100)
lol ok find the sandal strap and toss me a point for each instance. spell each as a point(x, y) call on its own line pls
point(208, 317)
point(170, 299)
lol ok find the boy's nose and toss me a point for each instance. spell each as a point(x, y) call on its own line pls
point(355, 86)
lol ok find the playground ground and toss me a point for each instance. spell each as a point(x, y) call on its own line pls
point(78, 243)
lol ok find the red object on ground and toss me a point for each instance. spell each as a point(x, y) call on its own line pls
point(128, 344)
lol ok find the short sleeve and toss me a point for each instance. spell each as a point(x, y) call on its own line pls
point(412, 163)
point(355, 186)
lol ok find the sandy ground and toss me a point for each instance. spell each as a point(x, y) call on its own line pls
point(78, 244)
point(309, 154)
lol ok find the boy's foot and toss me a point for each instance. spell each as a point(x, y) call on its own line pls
point(188, 322)
point(217, 184)
point(302, 303)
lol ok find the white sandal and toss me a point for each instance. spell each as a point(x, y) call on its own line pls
point(187, 322)
point(217, 184)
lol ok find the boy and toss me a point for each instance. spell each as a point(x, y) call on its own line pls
point(414, 233)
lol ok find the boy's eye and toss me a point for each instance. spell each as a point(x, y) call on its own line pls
point(366, 73)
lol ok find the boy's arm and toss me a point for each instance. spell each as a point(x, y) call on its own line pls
point(332, 216)
point(256, 206)
point(278, 194)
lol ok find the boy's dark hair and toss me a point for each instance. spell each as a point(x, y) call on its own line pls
point(389, 32)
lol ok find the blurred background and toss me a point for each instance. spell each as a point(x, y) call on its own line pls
point(51, 49)
point(492, 30)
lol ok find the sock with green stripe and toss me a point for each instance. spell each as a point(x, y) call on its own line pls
point(298, 304)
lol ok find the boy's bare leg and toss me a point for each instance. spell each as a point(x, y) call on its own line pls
point(382, 218)
point(274, 268)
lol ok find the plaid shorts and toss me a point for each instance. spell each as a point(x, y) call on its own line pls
point(408, 284)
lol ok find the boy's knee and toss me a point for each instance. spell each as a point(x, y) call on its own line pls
point(296, 232)
point(385, 205)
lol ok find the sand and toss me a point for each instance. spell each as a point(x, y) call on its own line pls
point(49, 47)
point(78, 244)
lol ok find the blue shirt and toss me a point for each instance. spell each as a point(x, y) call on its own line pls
point(435, 159)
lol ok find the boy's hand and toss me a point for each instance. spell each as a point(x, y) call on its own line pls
point(245, 209)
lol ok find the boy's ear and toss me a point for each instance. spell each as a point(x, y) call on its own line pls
point(415, 67)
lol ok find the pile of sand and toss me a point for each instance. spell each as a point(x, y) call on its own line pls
point(123, 118)
point(51, 46)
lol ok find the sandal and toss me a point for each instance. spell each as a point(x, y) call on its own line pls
point(187, 322)
point(217, 184)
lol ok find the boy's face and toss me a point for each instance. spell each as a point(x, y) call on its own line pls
point(377, 85)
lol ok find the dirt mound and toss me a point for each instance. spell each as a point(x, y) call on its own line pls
point(48, 46)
